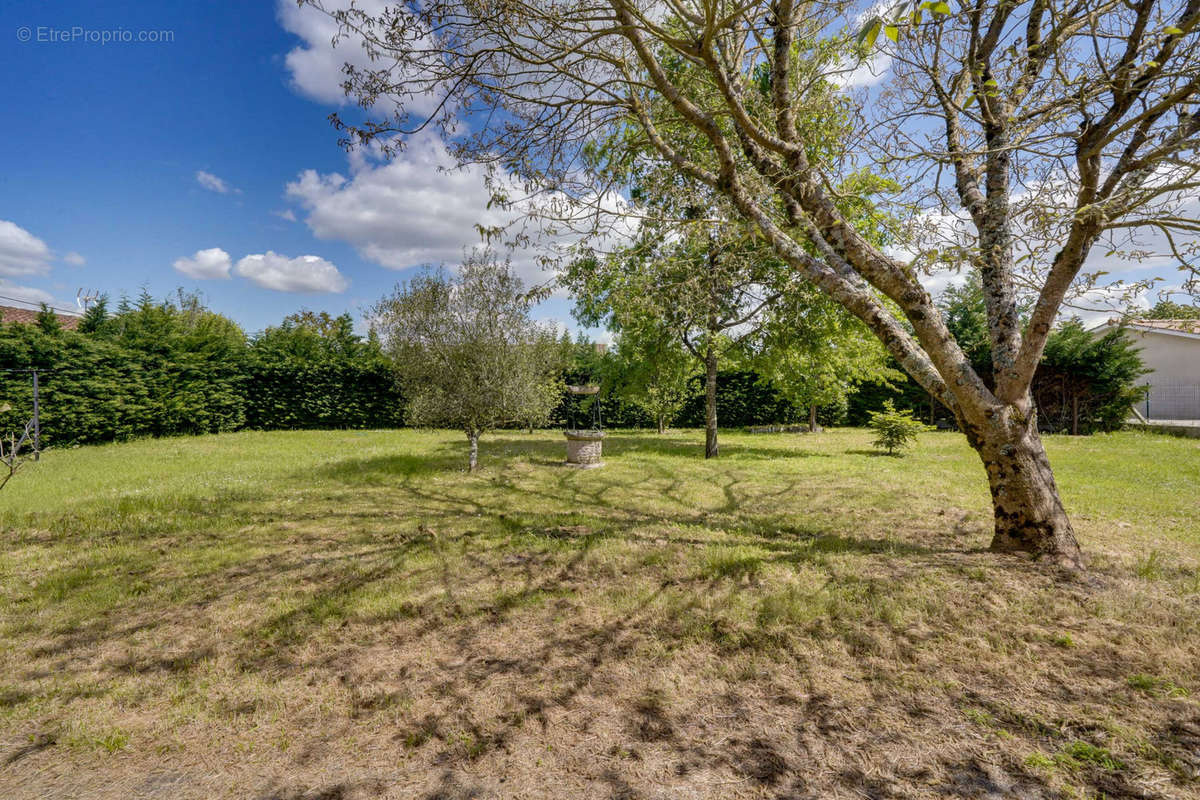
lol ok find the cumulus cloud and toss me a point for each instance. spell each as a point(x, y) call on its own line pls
point(415, 209)
point(211, 264)
point(213, 183)
point(22, 253)
point(74, 259)
point(421, 208)
point(316, 65)
point(282, 274)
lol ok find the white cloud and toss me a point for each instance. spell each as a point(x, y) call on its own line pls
point(22, 253)
point(316, 65)
point(861, 74)
point(415, 209)
point(211, 264)
point(280, 273)
point(286, 214)
point(214, 184)
point(421, 208)
point(27, 294)
point(74, 259)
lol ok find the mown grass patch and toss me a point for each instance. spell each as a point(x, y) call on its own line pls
point(322, 607)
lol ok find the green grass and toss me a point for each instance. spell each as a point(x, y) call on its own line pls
point(341, 603)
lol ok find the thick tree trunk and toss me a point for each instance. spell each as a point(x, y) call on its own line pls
point(473, 458)
point(662, 423)
point(711, 449)
point(812, 418)
point(1029, 515)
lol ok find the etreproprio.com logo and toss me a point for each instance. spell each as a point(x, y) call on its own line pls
point(79, 34)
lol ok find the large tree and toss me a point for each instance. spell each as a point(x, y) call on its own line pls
point(1031, 129)
point(466, 352)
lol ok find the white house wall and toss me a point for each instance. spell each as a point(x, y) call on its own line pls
point(1175, 380)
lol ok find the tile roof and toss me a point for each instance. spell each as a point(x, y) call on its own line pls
point(25, 316)
point(1180, 325)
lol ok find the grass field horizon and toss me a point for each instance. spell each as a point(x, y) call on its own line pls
point(346, 614)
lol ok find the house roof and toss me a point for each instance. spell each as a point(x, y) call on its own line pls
point(1187, 328)
point(26, 316)
point(1179, 325)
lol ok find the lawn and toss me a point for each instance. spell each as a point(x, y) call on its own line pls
point(349, 614)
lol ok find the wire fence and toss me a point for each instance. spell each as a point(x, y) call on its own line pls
point(1172, 400)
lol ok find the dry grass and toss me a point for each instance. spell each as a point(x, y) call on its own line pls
point(341, 615)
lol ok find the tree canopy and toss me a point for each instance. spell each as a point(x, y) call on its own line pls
point(466, 351)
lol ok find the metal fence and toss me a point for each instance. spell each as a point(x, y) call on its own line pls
point(1172, 400)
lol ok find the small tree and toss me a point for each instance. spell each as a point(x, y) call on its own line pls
point(1087, 383)
point(11, 456)
point(465, 350)
point(709, 285)
point(815, 353)
point(894, 429)
point(653, 369)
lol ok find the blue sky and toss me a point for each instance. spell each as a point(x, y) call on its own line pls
point(205, 161)
point(121, 161)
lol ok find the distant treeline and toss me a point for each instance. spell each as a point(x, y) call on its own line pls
point(161, 368)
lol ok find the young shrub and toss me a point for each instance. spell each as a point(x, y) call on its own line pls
point(894, 430)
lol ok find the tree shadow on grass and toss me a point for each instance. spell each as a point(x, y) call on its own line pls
point(873, 453)
point(581, 511)
point(619, 443)
point(379, 470)
point(554, 670)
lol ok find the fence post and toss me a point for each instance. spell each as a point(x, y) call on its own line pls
point(37, 424)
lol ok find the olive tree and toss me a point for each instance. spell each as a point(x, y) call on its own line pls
point(466, 353)
point(1042, 127)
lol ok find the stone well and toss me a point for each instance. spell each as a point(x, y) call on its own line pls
point(584, 448)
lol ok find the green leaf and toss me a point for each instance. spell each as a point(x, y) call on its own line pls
point(892, 32)
point(870, 32)
point(942, 8)
point(1171, 30)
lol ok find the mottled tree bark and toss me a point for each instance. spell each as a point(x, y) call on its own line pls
point(662, 423)
point(711, 449)
point(812, 418)
point(1029, 516)
point(473, 457)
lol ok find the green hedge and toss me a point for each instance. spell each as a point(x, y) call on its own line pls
point(161, 369)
